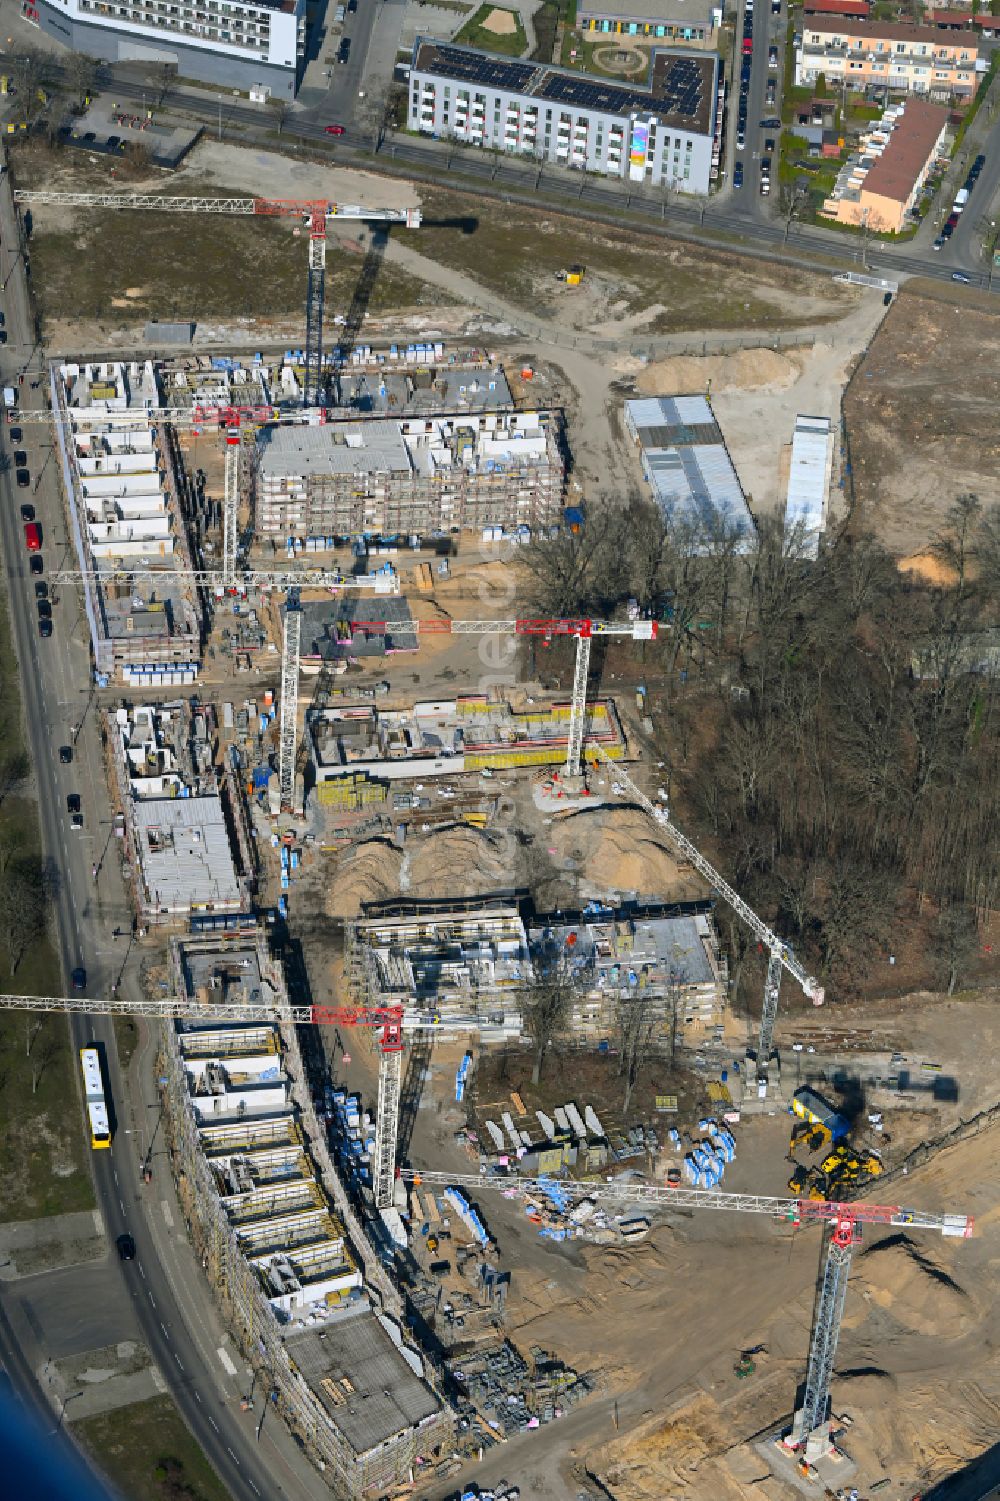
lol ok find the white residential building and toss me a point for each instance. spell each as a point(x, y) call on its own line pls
point(239, 44)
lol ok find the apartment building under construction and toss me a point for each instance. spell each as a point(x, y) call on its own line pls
point(454, 966)
point(413, 475)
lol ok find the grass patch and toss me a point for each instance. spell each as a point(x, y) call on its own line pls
point(546, 24)
point(475, 34)
point(252, 269)
point(147, 1451)
point(515, 252)
point(127, 1038)
point(586, 62)
point(43, 1166)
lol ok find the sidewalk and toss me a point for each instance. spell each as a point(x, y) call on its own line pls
point(294, 1476)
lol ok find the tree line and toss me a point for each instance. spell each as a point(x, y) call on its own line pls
point(830, 729)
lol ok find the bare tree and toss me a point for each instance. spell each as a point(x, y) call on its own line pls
point(584, 573)
point(636, 1025)
point(792, 198)
point(279, 109)
point(80, 72)
point(547, 1001)
point(33, 1024)
point(956, 941)
point(14, 772)
point(23, 909)
point(44, 1056)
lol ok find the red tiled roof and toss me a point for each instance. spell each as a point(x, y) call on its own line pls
point(950, 17)
point(888, 31)
point(907, 150)
point(859, 8)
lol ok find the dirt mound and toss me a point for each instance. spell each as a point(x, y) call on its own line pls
point(747, 370)
point(617, 849)
point(457, 861)
point(366, 873)
point(906, 1282)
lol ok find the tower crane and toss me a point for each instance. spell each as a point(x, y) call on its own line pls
point(582, 630)
point(780, 956)
point(315, 211)
point(810, 1429)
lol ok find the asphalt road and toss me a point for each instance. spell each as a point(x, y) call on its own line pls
point(54, 676)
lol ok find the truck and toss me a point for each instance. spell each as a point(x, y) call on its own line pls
point(10, 397)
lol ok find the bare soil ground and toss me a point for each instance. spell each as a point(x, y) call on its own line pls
point(921, 418)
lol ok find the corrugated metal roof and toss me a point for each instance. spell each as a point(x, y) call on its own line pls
point(807, 476)
point(698, 484)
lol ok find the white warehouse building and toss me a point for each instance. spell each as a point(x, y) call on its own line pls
point(666, 132)
point(239, 44)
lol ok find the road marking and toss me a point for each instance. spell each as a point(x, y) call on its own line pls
point(197, 1395)
point(142, 1274)
point(253, 1487)
point(227, 1364)
point(213, 1422)
point(178, 1360)
point(231, 1452)
point(168, 1217)
point(115, 1171)
point(121, 1205)
point(164, 1328)
point(152, 1300)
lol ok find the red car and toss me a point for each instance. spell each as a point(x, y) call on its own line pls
point(33, 536)
point(333, 130)
point(747, 46)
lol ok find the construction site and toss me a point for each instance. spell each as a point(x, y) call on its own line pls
point(515, 1142)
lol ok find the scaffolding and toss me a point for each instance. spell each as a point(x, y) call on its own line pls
point(230, 511)
point(291, 638)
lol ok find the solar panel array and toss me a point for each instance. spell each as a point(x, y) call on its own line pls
point(476, 67)
point(677, 90)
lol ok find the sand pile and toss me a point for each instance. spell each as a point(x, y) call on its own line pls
point(746, 370)
point(457, 861)
point(366, 873)
point(905, 1280)
point(617, 849)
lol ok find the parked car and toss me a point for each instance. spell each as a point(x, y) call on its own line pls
point(938, 243)
point(44, 608)
point(16, 435)
point(23, 479)
point(738, 175)
point(20, 457)
point(33, 537)
point(76, 823)
point(741, 139)
point(334, 130)
point(73, 802)
point(770, 122)
point(344, 50)
point(65, 754)
point(45, 628)
point(27, 513)
point(36, 564)
point(772, 57)
point(41, 590)
point(769, 143)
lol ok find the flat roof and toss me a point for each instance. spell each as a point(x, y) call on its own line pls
point(388, 1397)
point(859, 8)
point(911, 141)
point(191, 862)
point(686, 461)
point(680, 92)
point(333, 449)
point(651, 11)
point(326, 632)
point(807, 476)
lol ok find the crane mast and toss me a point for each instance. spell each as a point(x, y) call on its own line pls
point(780, 955)
point(810, 1428)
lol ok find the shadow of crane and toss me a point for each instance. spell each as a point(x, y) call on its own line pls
point(417, 1066)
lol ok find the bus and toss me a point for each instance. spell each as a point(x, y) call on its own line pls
point(97, 1105)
